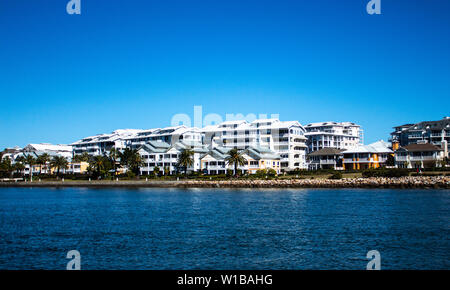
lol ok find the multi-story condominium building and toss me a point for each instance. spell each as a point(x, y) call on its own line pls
point(367, 156)
point(432, 132)
point(286, 139)
point(326, 158)
point(419, 156)
point(36, 150)
point(214, 162)
point(169, 135)
point(102, 143)
point(342, 135)
point(165, 156)
point(52, 150)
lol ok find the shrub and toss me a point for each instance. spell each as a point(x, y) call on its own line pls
point(130, 174)
point(384, 172)
point(337, 175)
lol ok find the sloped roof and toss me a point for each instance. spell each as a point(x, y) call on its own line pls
point(376, 147)
point(427, 147)
point(327, 151)
point(432, 125)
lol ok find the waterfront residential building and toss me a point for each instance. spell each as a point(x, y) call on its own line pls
point(169, 135)
point(432, 132)
point(419, 156)
point(326, 158)
point(285, 138)
point(52, 150)
point(162, 155)
point(214, 162)
point(101, 144)
point(36, 150)
point(373, 155)
point(343, 135)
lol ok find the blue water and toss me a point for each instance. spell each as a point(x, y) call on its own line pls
point(224, 229)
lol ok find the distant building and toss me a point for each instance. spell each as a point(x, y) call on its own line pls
point(367, 156)
point(419, 156)
point(102, 143)
point(165, 156)
point(169, 135)
point(326, 158)
point(285, 138)
point(214, 162)
point(432, 132)
point(343, 135)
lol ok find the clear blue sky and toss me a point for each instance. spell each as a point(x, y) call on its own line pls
point(134, 64)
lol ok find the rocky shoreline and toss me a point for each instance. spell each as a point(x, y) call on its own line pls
point(374, 182)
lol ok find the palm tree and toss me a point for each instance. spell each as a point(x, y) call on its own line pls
point(235, 157)
point(98, 164)
point(6, 167)
point(135, 161)
point(84, 157)
point(59, 162)
point(42, 160)
point(113, 158)
point(185, 159)
point(30, 161)
point(19, 165)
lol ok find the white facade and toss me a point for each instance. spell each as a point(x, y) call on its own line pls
point(169, 135)
point(165, 156)
point(284, 138)
point(344, 135)
point(102, 143)
point(214, 162)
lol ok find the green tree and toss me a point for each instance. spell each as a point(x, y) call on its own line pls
point(19, 165)
point(84, 157)
point(30, 161)
point(236, 159)
point(99, 165)
point(156, 171)
point(42, 160)
point(390, 161)
point(185, 159)
point(6, 167)
point(131, 159)
point(59, 162)
point(113, 156)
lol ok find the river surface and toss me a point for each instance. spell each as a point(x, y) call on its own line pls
point(224, 228)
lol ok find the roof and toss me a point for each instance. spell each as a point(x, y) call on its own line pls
point(111, 137)
point(432, 125)
point(427, 147)
point(331, 123)
point(377, 147)
point(327, 151)
point(261, 153)
point(48, 147)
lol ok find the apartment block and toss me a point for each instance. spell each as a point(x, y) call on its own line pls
point(285, 138)
point(343, 135)
point(431, 132)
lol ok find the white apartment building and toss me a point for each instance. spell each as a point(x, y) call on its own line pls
point(169, 135)
point(102, 143)
point(214, 162)
point(165, 156)
point(343, 135)
point(287, 139)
